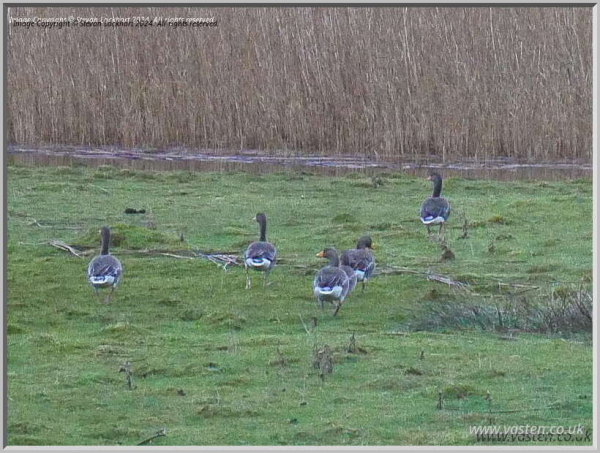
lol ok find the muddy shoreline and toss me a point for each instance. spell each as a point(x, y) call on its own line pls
point(263, 162)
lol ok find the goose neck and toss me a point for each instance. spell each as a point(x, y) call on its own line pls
point(334, 260)
point(263, 230)
point(105, 241)
point(437, 188)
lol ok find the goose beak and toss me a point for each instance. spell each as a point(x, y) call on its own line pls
point(320, 254)
point(372, 247)
point(254, 219)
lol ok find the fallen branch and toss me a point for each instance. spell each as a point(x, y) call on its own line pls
point(516, 285)
point(32, 243)
point(448, 281)
point(177, 256)
point(63, 246)
point(220, 259)
point(36, 223)
point(392, 270)
point(158, 252)
point(160, 433)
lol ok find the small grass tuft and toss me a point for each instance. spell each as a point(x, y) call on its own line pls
point(344, 218)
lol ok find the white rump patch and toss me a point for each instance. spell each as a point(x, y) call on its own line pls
point(334, 292)
point(261, 263)
point(360, 275)
point(104, 280)
point(432, 220)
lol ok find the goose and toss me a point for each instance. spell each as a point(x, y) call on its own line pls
point(352, 279)
point(361, 260)
point(260, 255)
point(331, 283)
point(435, 210)
point(104, 270)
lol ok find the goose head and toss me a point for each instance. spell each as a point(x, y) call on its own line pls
point(365, 242)
point(331, 254)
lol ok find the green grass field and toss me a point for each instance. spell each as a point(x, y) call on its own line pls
point(216, 364)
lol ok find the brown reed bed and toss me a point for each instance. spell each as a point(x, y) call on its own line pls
point(386, 82)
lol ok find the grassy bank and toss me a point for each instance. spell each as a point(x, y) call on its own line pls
point(450, 82)
point(215, 364)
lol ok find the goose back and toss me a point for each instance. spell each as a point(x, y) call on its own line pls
point(261, 255)
point(360, 259)
point(331, 283)
point(435, 210)
point(104, 271)
point(352, 278)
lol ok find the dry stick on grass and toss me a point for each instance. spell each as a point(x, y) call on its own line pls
point(63, 246)
point(36, 223)
point(393, 270)
point(160, 433)
point(448, 281)
point(33, 243)
point(516, 285)
point(177, 256)
point(303, 324)
point(220, 259)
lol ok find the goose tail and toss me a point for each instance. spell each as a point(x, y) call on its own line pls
point(431, 220)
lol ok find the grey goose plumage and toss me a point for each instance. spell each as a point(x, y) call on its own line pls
point(331, 284)
point(352, 279)
point(435, 210)
point(361, 259)
point(260, 255)
point(104, 271)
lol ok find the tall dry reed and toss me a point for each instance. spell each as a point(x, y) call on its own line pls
point(390, 82)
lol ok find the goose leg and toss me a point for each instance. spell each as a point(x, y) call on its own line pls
point(363, 286)
point(339, 305)
point(109, 297)
point(248, 283)
point(321, 303)
point(266, 279)
point(97, 295)
point(428, 231)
